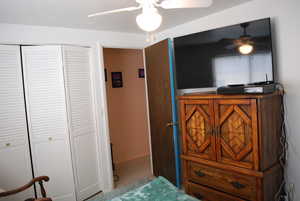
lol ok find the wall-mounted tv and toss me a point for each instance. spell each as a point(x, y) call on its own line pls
point(238, 54)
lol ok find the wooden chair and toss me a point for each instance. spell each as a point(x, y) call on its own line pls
point(23, 188)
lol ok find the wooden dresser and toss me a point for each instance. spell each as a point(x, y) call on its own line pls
point(231, 146)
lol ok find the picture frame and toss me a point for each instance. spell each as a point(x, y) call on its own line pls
point(117, 80)
point(141, 73)
point(105, 74)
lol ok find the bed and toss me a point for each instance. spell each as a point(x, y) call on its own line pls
point(158, 189)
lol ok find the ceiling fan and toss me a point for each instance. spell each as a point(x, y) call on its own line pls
point(245, 43)
point(150, 20)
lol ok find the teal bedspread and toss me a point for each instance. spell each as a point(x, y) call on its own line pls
point(158, 189)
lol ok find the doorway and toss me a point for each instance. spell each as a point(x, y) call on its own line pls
point(127, 115)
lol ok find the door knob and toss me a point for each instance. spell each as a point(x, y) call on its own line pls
point(171, 124)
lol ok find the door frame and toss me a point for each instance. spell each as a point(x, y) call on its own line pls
point(101, 110)
point(148, 112)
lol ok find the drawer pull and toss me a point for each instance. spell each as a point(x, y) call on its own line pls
point(199, 196)
point(50, 138)
point(199, 173)
point(7, 144)
point(210, 131)
point(237, 185)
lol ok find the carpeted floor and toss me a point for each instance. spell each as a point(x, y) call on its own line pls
point(157, 189)
point(120, 190)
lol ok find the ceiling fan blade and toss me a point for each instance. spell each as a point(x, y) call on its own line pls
point(115, 11)
point(172, 4)
point(230, 47)
point(261, 39)
point(226, 40)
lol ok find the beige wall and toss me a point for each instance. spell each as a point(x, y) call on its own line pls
point(127, 105)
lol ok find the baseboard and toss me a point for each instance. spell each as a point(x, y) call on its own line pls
point(133, 158)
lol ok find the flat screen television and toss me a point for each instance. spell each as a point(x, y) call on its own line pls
point(238, 54)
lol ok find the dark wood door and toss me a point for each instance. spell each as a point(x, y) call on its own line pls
point(197, 121)
point(160, 110)
point(237, 136)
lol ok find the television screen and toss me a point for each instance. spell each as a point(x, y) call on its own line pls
point(238, 54)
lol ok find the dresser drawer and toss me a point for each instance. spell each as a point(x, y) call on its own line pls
point(207, 194)
point(235, 184)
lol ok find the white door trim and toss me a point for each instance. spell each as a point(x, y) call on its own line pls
point(148, 114)
point(101, 113)
point(102, 117)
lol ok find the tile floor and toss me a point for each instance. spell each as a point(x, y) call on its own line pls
point(130, 172)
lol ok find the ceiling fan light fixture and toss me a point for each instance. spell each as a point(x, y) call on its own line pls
point(149, 20)
point(246, 48)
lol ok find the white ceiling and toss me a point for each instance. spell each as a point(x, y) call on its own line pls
point(73, 13)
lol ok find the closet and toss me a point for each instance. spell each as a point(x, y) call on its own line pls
point(15, 165)
point(82, 123)
point(60, 120)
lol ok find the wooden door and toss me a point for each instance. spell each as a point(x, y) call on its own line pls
point(15, 164)
point(160, 110)
point(197, 128)
point(237, 140)
point(45, 98)
point(78, 87)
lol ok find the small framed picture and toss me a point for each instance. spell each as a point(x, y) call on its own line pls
point(116, 78)
point(105, 74)
point(141, 73)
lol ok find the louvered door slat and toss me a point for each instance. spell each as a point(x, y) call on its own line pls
point(78, 82)
point(45, 92)
point(13, 122)
point(81, 120)
point(15, 167)
point(47, 119)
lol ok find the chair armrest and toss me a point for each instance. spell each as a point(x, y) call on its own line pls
point(43, 199)
point(26, 186)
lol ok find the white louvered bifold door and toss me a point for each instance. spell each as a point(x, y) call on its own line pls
point(44, 87)
point(15, 165)
point(80, 103)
